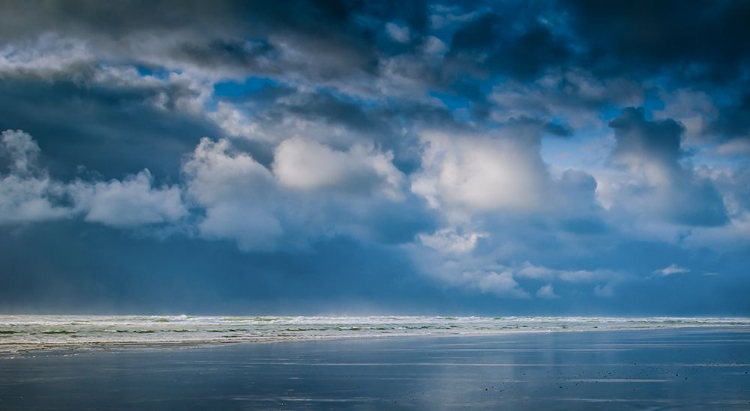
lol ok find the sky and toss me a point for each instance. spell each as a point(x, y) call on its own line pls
point(375, 157)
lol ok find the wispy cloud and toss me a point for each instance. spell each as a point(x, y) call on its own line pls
point(670, 270)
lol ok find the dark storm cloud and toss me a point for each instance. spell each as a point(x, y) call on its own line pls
point(522, 40)
point(249, 55)
point(221, 33)
point(113, 130)
point(733, 120)
point(497, 44)
point(639, 137)
point(380, 122)
point(116, 19)
point(330, 108)
point(694, 39)
point(121, 18)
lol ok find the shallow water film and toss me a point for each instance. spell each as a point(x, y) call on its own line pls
point(655, 369)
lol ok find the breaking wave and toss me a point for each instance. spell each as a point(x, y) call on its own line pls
point(20, 333)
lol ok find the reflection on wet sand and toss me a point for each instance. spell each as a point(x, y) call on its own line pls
point(659, 369)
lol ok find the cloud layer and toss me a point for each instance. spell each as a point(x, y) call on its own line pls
point(556, 156)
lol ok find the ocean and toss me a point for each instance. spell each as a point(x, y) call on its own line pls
point(21, 333)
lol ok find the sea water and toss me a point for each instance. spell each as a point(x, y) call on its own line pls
point(20, 333)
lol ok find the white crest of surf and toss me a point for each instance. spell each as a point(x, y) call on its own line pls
point(33, 332)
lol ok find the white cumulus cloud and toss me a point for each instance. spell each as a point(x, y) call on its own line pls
point(234, 190)
point(481, 173)
point(128, 203)
point(28, 194)
point(501, 284)
point(308, 165)
point(449, 240)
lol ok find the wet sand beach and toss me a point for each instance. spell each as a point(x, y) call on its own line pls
point(686, 369)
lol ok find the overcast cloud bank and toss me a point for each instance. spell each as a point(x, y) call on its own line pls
point(557, 155)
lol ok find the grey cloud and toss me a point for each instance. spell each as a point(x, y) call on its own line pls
point(651, 151)
point(114, 19)
point(605, 280)
point(734, 184)
point(216, 35)
point(695, 110)
point(249, 56)
point(577, 209)
point(233, 190)
point(27, 194)
point(129, 203)
point(20, 151)
point(332, 119)
point(120, 19)
point(638, 138)
point(574, 95)
point(521, 40)
point(30, 195)
point(312, 192)
point(337, 111)
point(460, 261)
point(500, 204)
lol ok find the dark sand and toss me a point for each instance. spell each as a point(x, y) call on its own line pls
point(687, 369)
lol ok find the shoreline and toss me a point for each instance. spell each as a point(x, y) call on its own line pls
point(13, 350)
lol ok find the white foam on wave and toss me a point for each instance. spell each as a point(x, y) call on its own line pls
point(34, 332)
